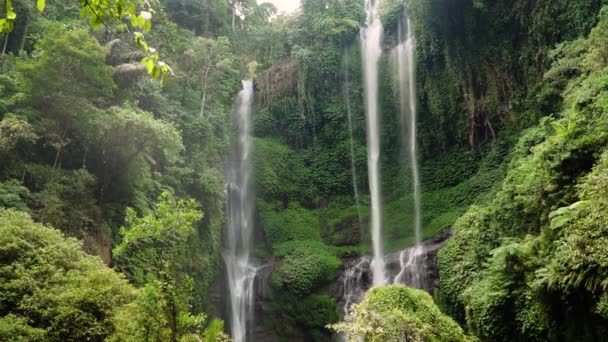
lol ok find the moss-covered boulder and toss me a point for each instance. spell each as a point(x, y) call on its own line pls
point(399, 313)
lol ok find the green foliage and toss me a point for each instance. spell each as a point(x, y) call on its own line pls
point(306, 266)
point(149, 253)
point(398, 313)
point(85, 138)
point(480, 64)
point(50, 290)
point(14, 195)
point(206, 68)
point(529, 262)
point(71, 71)
point(156, 236)
point(292, 223)
point(294, 236)
point(446, 197)
point(64, 199)
point(280, 173)
point(310, 315)
point(14, 131)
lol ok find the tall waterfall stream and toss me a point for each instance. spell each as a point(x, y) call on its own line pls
point(371, 50)
point(241, 272)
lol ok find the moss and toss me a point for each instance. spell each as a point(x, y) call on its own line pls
point(306, 266)
point(398, 313)
point(292, 223)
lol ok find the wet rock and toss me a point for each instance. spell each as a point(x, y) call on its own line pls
point(355, 277)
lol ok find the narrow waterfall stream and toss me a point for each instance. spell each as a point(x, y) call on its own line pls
point(349, 114)
point(240, 270)
point(407, 96)
point(371, 37)
point(411, 268)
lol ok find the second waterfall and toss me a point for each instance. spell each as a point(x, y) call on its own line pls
point(371, 37)
point(411, 267)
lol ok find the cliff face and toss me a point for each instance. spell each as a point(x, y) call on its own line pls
point(349, 285)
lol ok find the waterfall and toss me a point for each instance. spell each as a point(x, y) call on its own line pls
point(349, 114)
point(240, 270)
point(371, 36)
point(353, 283)
point(410, 261)
point(407, 96)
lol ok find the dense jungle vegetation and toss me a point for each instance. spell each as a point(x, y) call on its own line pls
point(115, 125)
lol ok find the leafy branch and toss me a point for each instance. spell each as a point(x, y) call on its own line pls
point(106, 13)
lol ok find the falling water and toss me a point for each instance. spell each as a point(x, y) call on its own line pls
point(349, 114)
point(410, 270)
point(353, 283)
point(410, 264)
point(371, 36)
point(407, 82)
point(241, 272)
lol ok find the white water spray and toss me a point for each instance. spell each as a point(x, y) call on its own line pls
point(241, 272)
point(371, 37)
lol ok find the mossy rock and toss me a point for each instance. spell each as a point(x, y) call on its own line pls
point(399, 313)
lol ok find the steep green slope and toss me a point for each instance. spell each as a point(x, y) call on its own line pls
point(529, 263)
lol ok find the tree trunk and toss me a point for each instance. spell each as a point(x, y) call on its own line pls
point(489, 126)
point(5, 43)
point(24, 36)
point(61, 144)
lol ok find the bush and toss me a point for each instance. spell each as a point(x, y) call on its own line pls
point(293, 223)
point(398, 313)
point(306, 266)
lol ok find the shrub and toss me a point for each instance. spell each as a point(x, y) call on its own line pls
point(49, 289)
point(306, 266)
point(398, 313)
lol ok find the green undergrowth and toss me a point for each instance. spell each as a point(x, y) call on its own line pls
point(302, 319)
point(445, 198)
point(306, 262)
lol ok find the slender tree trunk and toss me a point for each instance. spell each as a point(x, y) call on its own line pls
point(489, 126)
point(65, 130)
point(5, 43)
point(84, 158)
point(24, 36)
point(204, 89)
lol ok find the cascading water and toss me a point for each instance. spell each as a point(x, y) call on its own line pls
point(353, 282)
point(349, 114)
point(241, 272)
point(371, 37)
point(410, 266)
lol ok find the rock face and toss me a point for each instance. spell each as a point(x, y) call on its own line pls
point(415, 266)
point(352, 281)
